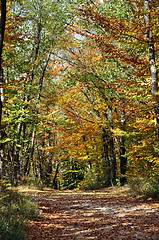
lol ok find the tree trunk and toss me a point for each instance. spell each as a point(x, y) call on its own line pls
point(112, 154)
point(123, 158)
point(152, 60)
point(54, 182)
point(106, 161)
point(2, 30)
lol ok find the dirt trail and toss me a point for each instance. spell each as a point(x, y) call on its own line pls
point(82, 215)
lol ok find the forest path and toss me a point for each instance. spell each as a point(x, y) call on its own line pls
point(102, 215)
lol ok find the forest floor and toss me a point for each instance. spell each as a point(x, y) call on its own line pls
point(102, 214)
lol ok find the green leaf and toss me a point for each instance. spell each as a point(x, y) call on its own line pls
point(5, 140)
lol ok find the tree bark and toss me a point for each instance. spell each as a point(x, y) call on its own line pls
point(123, 158)
point(112, 154)
point(54, 182)
point(152, 60)
point(2, 30)
point(106, 160)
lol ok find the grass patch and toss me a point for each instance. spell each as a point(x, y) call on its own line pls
point(15, 210)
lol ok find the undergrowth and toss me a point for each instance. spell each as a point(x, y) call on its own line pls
point(148, 188)
point(15, 210)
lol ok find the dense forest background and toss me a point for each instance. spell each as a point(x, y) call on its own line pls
point(79, 105)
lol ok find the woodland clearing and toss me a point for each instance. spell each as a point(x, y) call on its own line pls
point(101, 214)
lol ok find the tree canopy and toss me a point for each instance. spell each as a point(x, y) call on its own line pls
point(79, 98)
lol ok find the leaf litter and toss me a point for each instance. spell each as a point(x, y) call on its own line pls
point(101, 214)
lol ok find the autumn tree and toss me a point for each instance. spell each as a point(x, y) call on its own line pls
point(124, 41)
point(27, 61)
point(81, 102)
point(121, 41)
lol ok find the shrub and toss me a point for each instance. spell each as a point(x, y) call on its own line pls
point(11, 230)
point(143, 186)
point(15, 210)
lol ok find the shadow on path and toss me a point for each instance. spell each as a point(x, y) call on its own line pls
point(92, 215)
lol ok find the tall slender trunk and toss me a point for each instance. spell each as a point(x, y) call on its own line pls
point(31, 150)
point(152, 60)
point(2, 30)
point(106, 160)
point(123, 158)
point(49, 165)
point(54, 182)
point(16, 171)
point(112, 153)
